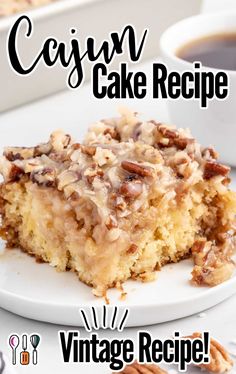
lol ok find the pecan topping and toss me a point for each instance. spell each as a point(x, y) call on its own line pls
point(74, 196)
point(42, 149)
point(131, 189)
point(76, 146)
point(156, 123)
point(213, 264)
point(210, 153)
point(226, 181)
point(213, 169)
point(11, 156)
point(111, 223)
point(170, 138)
point(114, 134)
point(24, 153)
point(132, 249)
point(168, 133)
point(182, 143)
point(131, 167)
point(15, 173)
point(137, 368)
point(59, 140)
point(93, 172)
point(88, 150)
point(220, 361)
point(66, 178)
point(18, 153)
point(136, 131)
point(45, 177)
point(120, 203)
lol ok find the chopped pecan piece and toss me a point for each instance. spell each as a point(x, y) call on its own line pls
point(220, 361)
point(18, 153)
point(15, 173)
point(167, 132)
point(213, 264)
point(45, 177)
point(11, 156)
point(156, 123)
point(67, 177)
point(114, 134)
point(137, 368)
point(93, 172)
point(24, 153)
point(88, 150)
point(120, 203)
point(211, 276)
point(210, 153)
point(59, 140)
point(76, 146)
point(111, 223)
point(136, 131)
point(171, 138)
point(182, 143)
point(42, 149)
point(213, 169)
point(165, 143)
point(131, 167)
point(226, 181)
point(131, 189)
point(132, 249)
point(74, 196)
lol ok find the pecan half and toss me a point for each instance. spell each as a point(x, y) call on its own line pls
point(220, 361)
point(131, 167)
point(213, 169)
point(137, 368)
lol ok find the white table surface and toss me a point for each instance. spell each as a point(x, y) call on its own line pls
point(71, 110)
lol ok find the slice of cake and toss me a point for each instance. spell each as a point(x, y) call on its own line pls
point(133, 197)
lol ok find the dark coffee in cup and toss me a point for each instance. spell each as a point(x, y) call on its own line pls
point(215, 51)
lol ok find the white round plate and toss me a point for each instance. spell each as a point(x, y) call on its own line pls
point(39, 292)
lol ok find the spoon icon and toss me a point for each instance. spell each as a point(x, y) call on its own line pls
point(34, 340)
point(14, 342)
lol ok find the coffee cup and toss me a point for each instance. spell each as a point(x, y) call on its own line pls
point(215, 125)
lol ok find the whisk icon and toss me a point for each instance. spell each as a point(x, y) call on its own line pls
point(34, 340)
